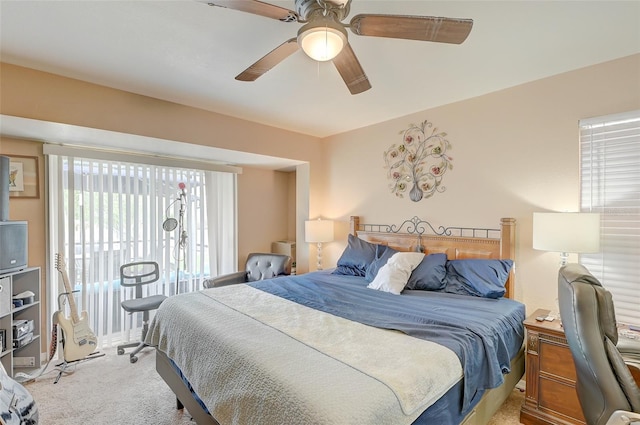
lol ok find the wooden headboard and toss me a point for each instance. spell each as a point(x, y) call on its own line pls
point(457, 242)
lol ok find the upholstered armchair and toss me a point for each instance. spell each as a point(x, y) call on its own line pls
point(258, 266)
point(606, 388)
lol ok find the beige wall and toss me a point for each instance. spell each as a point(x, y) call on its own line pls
point(514, 152)
point(30, 209)
point(48, 97)
point(263, 210)
point(291, 205)
point(42, 96)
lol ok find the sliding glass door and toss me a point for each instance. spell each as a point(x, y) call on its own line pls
point(107, 213)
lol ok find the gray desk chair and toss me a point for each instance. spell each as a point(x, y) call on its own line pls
point(258, 266)
point(137, 275)
point(606, 388)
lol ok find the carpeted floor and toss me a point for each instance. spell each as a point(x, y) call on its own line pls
point(509, 413)
point(110, 390)
point(107, 391)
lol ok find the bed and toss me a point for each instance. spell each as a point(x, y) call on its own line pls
point(325, 348)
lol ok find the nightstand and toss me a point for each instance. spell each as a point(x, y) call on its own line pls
point(550, 374)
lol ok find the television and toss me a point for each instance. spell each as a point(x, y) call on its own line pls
point(13, 246)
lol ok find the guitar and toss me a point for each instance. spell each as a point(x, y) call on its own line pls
point(79, 339)
point(17, 406)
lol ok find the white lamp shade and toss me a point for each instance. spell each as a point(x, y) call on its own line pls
point(322, 40)
point(322, 44)
point(566, 232)
point(318, 230)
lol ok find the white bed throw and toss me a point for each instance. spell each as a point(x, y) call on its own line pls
point(255, 358)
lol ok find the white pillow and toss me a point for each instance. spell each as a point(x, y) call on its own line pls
point(394, 275)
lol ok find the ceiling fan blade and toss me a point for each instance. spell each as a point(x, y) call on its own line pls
point(257, 8)
point(422, 28)
point(351, 71)
point(269, 60)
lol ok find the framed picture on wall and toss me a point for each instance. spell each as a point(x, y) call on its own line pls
point(23, 176)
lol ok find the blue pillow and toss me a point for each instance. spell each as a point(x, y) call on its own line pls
point(477, 277)
point(430, 273)
point(356, 257)
point(383, 253)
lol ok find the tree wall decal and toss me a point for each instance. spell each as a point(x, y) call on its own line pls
point(420, 161)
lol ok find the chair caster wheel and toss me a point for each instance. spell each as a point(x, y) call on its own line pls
point(120, 351)
point(133, 359)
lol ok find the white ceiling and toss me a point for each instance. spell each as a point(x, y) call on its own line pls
point(189, 53)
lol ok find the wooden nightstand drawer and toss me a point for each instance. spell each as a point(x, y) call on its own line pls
point(556, 360)
point(560, 398)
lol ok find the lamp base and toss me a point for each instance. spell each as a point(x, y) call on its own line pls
point(319, 257)
point(564, 258)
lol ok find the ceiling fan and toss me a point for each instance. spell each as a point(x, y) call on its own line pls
point(324, 37)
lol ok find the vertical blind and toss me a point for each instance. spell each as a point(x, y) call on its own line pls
point(107, 213)
point(610, 185)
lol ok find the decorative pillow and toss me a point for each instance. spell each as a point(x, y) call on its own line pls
point(356, 257)
point(477, 277)
point(393, 276)
point(430, 273)
point(383, 253)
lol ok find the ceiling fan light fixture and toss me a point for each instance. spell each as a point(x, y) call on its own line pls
point(322, 40)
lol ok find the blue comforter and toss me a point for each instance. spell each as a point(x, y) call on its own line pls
point(484, 333)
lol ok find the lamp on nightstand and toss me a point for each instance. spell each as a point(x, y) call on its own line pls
point(318, 231)
point(566, 232)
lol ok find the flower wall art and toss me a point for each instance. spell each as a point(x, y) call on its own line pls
point(419, 163)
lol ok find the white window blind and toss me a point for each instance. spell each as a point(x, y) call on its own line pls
point(106, 213)
point(610, 185)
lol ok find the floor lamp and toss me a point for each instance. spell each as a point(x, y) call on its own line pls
point(318, 231)
point(170, 225)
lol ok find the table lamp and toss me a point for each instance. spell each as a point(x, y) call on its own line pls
point(566, 232)
point(318, 231)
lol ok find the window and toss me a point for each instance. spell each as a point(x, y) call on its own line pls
point(105, 213)
point(610, 185)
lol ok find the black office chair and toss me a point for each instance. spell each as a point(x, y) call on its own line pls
point(258, 266)
point(137, 275)
point(605, 386)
